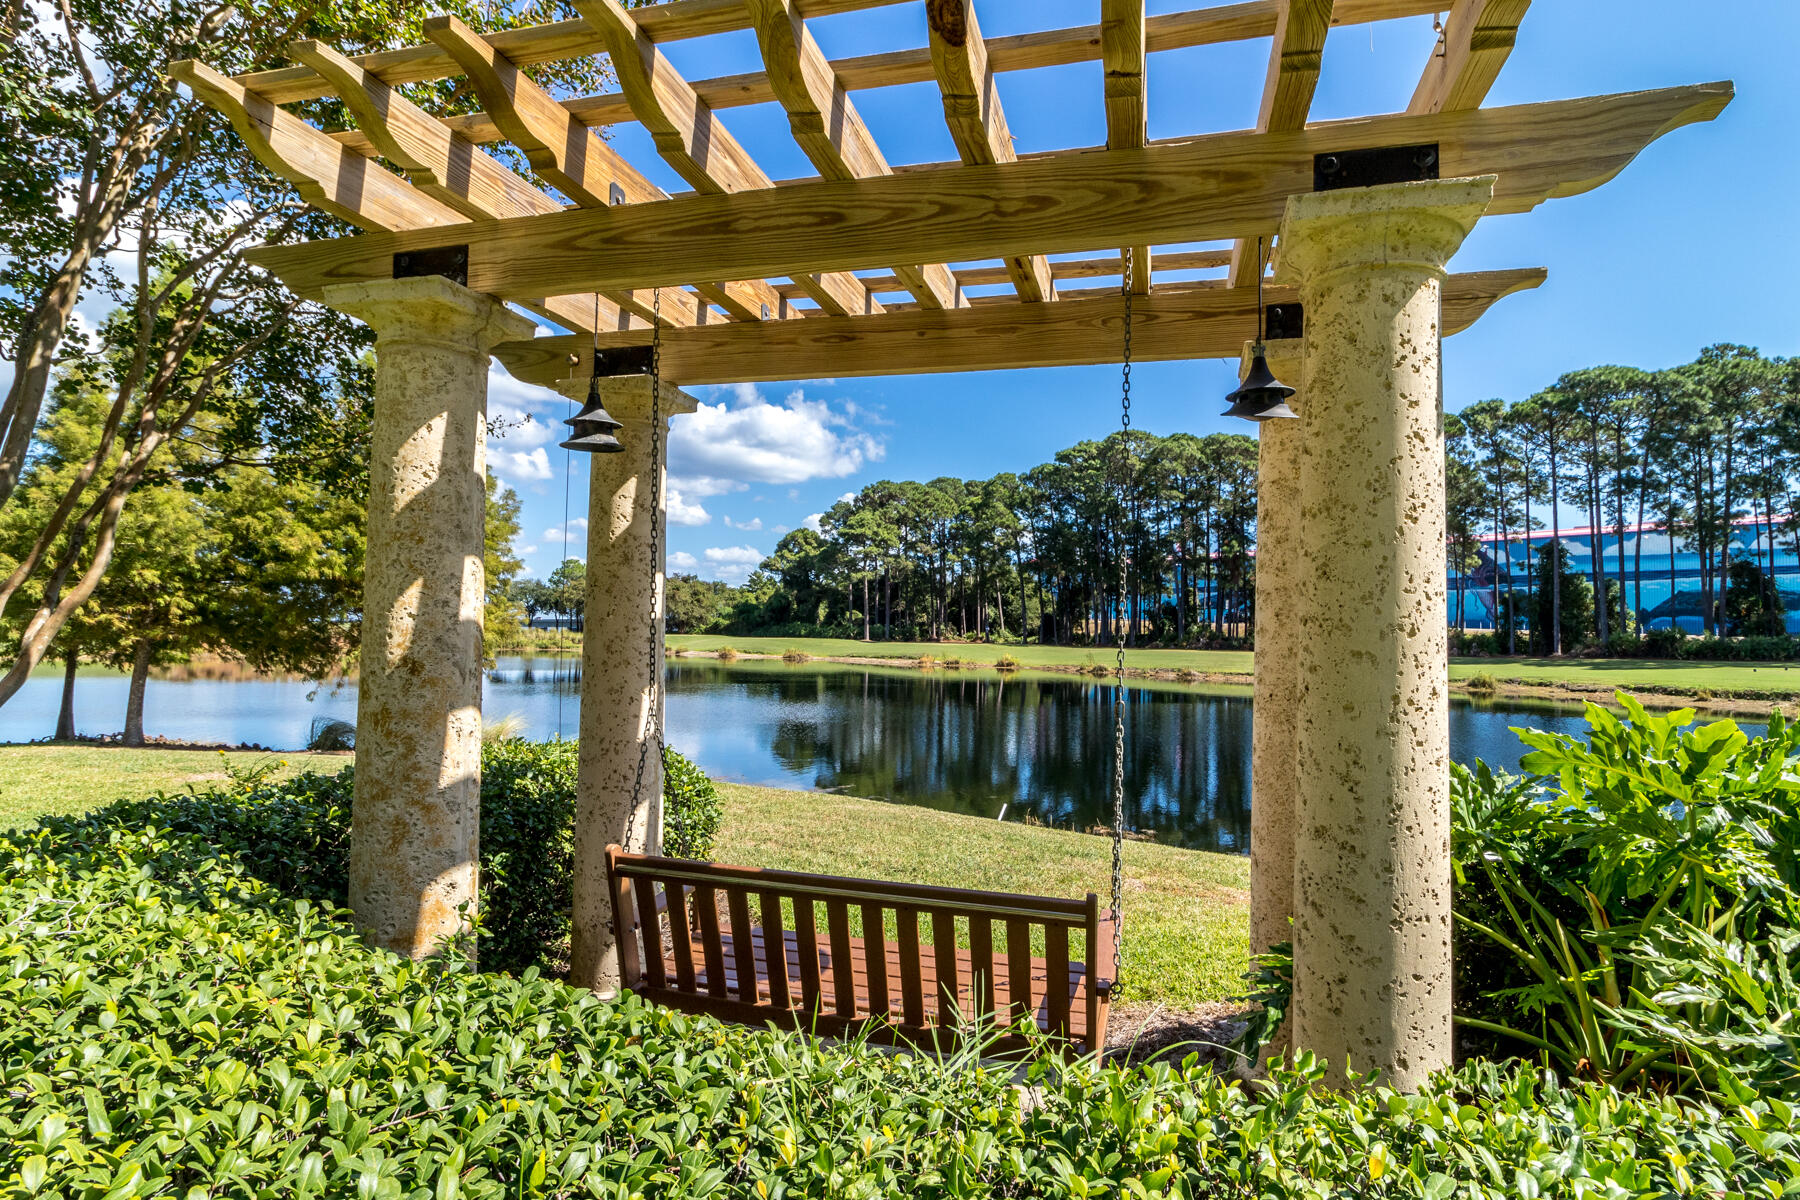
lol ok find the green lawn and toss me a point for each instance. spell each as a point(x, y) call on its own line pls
point(1223, 662)
point(1186, 913)
point(40, 780)
point(1770, 680)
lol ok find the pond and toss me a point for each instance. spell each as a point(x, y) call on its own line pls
point(1028, 746)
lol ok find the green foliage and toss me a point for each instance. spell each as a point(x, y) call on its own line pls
point(691, 809)
point(294, 834)
point(170, 1026)
point(1631, 905)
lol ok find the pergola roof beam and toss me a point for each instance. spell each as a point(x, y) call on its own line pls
point(362, 192)
point(1122, 53)
point(1176, 321)
point(1478, 37)
point(1295, 56)
point(827, 126)
point(976, 119)
point(1220, 186)
point(450, 169)
point(693, 141)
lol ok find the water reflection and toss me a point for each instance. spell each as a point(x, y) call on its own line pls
point(1031, 746)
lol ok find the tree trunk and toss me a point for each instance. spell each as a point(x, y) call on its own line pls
point(865, 608)
point(65, 717)
point(1556, 556)
point(134, 701)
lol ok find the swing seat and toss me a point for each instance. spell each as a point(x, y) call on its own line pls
point(678, 949)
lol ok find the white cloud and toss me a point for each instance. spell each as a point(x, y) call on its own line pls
point(753, 525)
point(577, 530)
point(779, 529)
point(520, 466)
point(732, 564)
point(524, 550)
point(846, 497)
point(681, 560)
point(748, 439)
point(812, 522)
point(683, 511)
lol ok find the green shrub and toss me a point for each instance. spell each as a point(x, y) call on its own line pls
point(294, 834)
point(1631, 908)
point(1006, 662)
point(170, 1026)
point(691, 809)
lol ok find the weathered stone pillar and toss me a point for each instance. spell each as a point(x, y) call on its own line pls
point(1280, 566)
point(621, 661)
point(1372, 844)
point(416, 816)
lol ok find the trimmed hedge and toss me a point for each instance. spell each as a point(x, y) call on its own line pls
point(172, 1026)
point(295, 835)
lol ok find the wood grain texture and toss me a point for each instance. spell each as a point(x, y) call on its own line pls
point(1296, 53)
point(695, 142)
point(975, 116)
point(1220, 186)
point(326, 175)
point(827, 126)
point(1478, 38)
point(1123, 56)
point(1173, 322)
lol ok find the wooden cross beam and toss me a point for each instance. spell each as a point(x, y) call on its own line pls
point(1176, 321)
point(976, 119)
point(1222, 186)
point(827, 126)
point(1478, 37)
point(1295, 56)
point(457, 180)
point(693, 141)
point(1123, 54)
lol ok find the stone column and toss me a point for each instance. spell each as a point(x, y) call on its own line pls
point(1280, 567)
point(416, 815)
point(1372, 843)
point(621, 661)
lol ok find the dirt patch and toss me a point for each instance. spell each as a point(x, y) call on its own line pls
point(1147, 1032)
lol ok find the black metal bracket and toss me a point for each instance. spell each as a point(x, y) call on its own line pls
point(1284, 321)
point(452, 262)
point(1374, 166)
point(623, 360)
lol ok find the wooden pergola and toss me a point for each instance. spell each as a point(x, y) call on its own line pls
point(849, 272)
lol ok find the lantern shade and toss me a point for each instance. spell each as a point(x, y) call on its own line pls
point(1262, 397)
point(594, 427)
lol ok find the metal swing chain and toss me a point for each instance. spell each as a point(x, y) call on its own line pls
point(653, 713)
point(1118, 813)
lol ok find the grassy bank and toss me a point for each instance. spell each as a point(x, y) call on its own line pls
point(38, 780)
point(1765, 681)
point(1186, 912)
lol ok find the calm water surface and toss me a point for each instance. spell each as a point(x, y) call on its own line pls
point(1029, 745)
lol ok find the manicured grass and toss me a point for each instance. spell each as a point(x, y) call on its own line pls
point(1187, 913)
point(42, 780)
point(1223, 662)
point(1772, 679)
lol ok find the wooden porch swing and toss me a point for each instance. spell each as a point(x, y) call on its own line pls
point(779, 969)
point(675, 948)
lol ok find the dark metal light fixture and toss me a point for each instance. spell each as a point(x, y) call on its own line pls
point(1261, 397)
point(593, 425)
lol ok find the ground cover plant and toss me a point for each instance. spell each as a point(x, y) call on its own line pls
point(1629, 908)
point(294, 833)
point(171, 1025)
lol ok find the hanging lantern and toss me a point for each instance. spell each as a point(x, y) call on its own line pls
point(1261, 397)
point(594, 427)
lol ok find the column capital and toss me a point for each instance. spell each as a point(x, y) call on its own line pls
point(627, 397)
point(1415, 226)
point(431, 309)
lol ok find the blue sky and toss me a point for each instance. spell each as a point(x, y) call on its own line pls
point(1693, 244)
